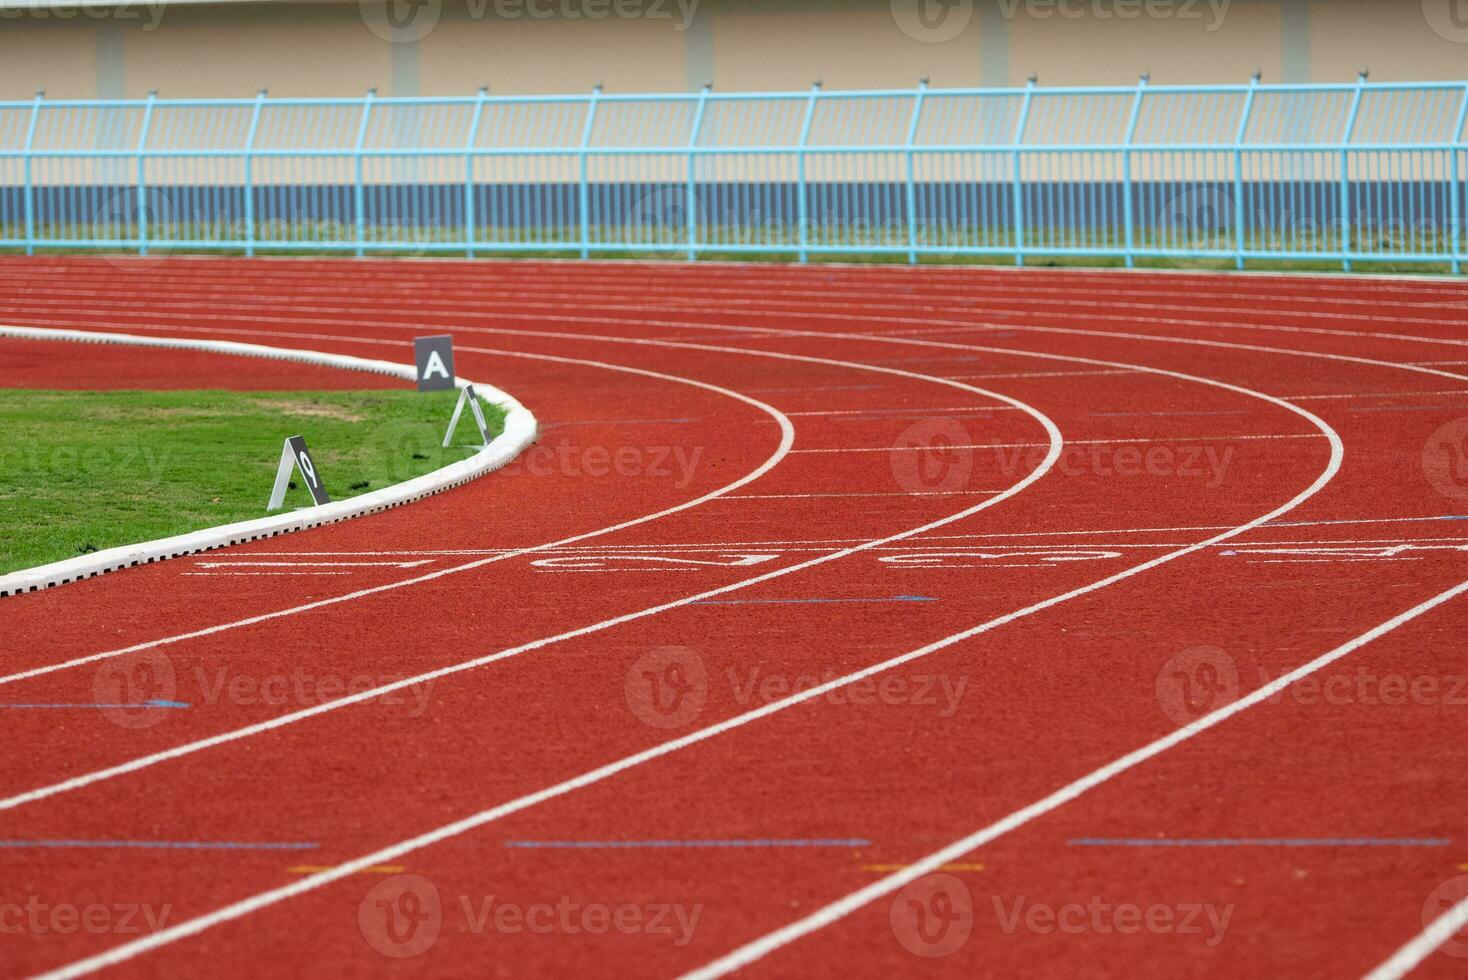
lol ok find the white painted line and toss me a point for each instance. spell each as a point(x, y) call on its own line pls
point(219, 574)
point(251, 563)
point(759, 948)
point(1069, 442)
point(1422, 945)
point(519, 432)
point(921, 545)
point(915, 412)
point(1382, 394)
point(889, 493)
point(1038, 374)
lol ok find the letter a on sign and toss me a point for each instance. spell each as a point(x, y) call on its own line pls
point(435, 359)
point(293, 457)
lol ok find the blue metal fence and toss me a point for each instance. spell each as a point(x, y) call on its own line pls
point(1360, 172)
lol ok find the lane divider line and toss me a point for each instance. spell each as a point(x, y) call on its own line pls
point(959, 868)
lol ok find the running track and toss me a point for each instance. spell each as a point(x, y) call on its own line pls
point(847, 704)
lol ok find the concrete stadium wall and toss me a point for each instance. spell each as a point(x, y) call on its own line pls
point(440, 47)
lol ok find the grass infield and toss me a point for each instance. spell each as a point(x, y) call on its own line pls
point(81, 471)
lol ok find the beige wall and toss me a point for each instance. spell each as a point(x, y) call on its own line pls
point(789, 49)
point(550, 56)
point(58, 57)
point(1174, 49)
point(328, 48)
point(293, 55)
point(1394, 40)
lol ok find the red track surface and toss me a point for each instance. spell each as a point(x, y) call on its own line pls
point(909, 761)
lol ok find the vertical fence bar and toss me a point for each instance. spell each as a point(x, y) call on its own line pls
point(1455, 190)
point(1018, 218)
point(802, 203)
point(359, 192)
point(30, 187)
point(1345, 205)
point(691, 202)
point(1243, 131)
point(912, 130)
point(250, 173)
point(584, 186)
point(143, 175)
point(470, 230)
point(1126, 170)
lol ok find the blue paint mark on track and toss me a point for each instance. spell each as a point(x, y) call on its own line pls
point(176, 845)
point(620, 844)
point(1261, 842)
point(750, 602)
point(155, 703)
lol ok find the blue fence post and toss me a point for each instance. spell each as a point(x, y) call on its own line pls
point(1350, 131)
point(1126, 170)
point(1019, 193)
point(250, 173)
point(584, 183)
point(1243, 131)
point(470, 219)
point(691, 203)
point(912, 130)
point(359, 195)
point(1455, 191)
point(143, 174)
point(802, 197)
point(30, 187)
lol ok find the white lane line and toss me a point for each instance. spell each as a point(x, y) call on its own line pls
point(1383, 394)
point(1056, 445)
point(1037, 374)
point(1317, 561)
point(887, 493)
point(921, 545)
point(1069, 442)
point(835, 911)
point(247, 906)
point(878, 412)
point(250, 563)
point(787, 440)
point(1423, 945)
point(271, 574)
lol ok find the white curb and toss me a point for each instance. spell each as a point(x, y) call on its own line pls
point(519, 432)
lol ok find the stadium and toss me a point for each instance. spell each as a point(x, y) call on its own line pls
point(964, 488)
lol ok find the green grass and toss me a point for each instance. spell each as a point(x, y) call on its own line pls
point(82, 471)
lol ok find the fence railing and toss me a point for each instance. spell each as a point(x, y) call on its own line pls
point(1359, 172)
